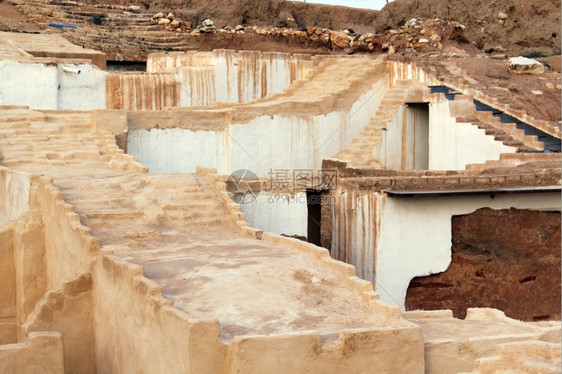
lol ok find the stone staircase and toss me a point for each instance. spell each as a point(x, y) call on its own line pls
point(35, 138)
point(130, 33)
point(504, 127)
point(514, 160)
point(360, 153)
point(507, 133)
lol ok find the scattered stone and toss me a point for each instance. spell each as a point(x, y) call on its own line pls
point(175, 23)
point(413, 22)
point(523, 65)
point(423, 41)
point(208, 23)
point(502, 15)
point(393, 32)
point(459, 26)
point(170, 16)
point(391, 50)
point(558, 87)
point(501, 22)
point(119, 57)
point(500, 56)
point(134, 8)
point(550, 86)
point(435, 38)
point(339, 39)
point(410, 52)
point(158, 15)
point(536, 92)
point(164, 21)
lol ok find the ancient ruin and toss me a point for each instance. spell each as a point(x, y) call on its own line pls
point(278, 187)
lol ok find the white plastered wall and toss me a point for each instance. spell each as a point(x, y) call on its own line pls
point(45, 86)
point(278, 213)
point(260, 145)
point(453, 145)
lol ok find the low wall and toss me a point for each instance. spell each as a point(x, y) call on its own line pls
point(8, 323)
point(137, 330)
point(41, 354)
point(368, 231)
point(69, 246)
point(68, 310)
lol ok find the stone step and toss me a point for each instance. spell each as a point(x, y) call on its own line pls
point(103, 214)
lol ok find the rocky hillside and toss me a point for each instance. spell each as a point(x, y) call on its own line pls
point(520, 25)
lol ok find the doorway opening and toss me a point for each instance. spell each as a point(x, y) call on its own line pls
point(314, 208)
point(418, 130)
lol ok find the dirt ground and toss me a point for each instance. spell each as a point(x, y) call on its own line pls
point(11, 19)
point(494, 79)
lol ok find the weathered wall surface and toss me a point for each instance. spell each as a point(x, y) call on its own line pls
point(47, 86)
point(505, 259)
point(368, 232)
point(68, 310)
point(279, 213)
point(155, 337)
point(260, 144)
point(353, 352)
point(228, 76)
point(29, 264)
point(14, 194)
point(453, 145)
point(84, 91)
point(456, 345)
point(405, 143)
point(138, 91)
point(8, 324)
point(41, 354)
point(34, 85)
point(69, 246)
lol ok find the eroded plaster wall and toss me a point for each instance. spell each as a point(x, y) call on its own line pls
point(368, 231)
